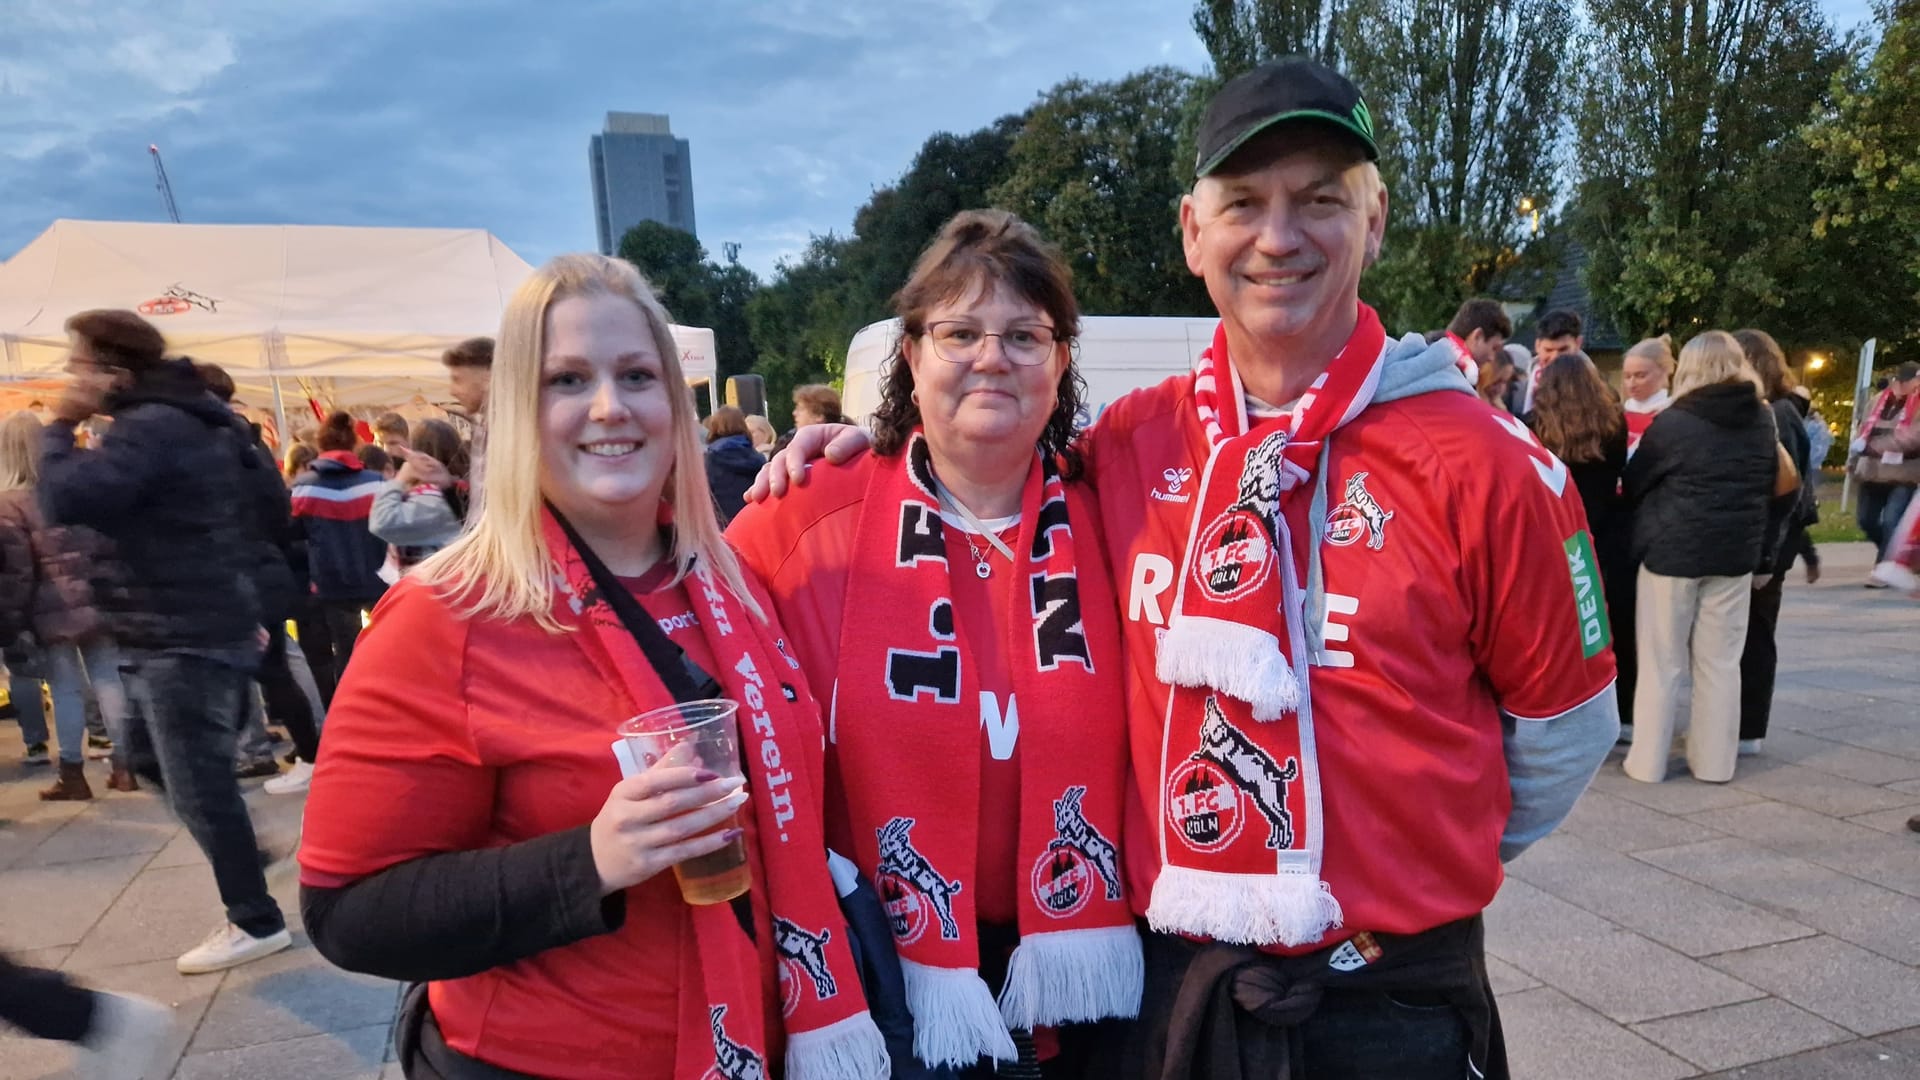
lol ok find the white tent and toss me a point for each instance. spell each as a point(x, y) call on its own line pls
point(355, 315)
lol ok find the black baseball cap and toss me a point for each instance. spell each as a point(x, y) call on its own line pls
point(1277, 92)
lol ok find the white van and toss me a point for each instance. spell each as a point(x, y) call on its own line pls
point(1118, 354)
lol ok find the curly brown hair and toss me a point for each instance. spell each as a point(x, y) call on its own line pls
point(1575, 412)
point(978, 250)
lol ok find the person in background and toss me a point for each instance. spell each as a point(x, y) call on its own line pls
point(273, 537)
point(1495, 380)
point(813, 404)
point(469, 373)
point(375, 460)
point(1761, 656)
point(1480, 330)
point(390, 433)
point(422, 508)
point(299, 457)
point(166, 488)
point(1886, 460)
point(49, 575)
point(332, 502)
point(732, 462)
point(114, 1036)
point(1577, 416)
point(761, 429)
point(1558, 334)
point(470, 831)
point(1698, 487)
point(1819, 444)
point(1643, 377)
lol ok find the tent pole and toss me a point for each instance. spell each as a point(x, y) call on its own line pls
point(280, 415)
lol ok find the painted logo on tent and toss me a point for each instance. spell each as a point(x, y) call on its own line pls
point(178, 301)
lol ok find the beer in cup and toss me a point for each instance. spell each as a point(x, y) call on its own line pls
point(701, 734)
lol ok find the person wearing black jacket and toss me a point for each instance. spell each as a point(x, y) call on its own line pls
point(1761, 655)
point(164, 486)
point(1699, 485)
point(1578, 417)
point(271, 535)
point(732, 462)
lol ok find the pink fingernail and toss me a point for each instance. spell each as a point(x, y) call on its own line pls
point(734, 834)
point(706, 775)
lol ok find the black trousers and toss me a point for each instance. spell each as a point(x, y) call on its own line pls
point(316, 644)
point(1759, 660)
point(44, 1004)
point(343, 619)
point(285, 702)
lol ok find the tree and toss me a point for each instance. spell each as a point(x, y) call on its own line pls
point(800, 324)
point(1097, 170)
point(1867, 148)
point(1695, 198)
point(697, 291)
point(1239, 34)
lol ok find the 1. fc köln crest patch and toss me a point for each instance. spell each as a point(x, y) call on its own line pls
point(1360, 515)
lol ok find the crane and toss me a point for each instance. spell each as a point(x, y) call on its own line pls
point(160, 183)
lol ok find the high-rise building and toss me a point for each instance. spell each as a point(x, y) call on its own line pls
point(640, 173)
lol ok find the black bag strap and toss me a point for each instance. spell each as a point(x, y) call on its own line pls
point(685, 680)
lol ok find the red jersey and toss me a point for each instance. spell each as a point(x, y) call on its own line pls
point(455, 734)
point(1459, 584)
point(802, 548)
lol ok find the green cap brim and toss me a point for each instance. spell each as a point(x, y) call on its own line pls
point(1344, 123)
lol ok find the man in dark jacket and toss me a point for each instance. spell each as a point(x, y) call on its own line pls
point(164, 486)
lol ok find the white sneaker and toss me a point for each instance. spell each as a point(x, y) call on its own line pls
point(126, 1039)
point(230, 946)
point(293, 781)
point(1750, 747)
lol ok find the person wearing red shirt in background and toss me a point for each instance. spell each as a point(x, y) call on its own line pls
point(469, 828)
point(1386, 666)
point(951, 589)
point(1644, 375)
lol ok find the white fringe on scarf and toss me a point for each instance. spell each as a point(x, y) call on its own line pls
point(1070, 976)
point(1289, 907)
point(955, 1020)
point(1232, 657)
point(850, 1049)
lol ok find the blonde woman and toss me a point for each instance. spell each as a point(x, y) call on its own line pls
point(469, 828)
point(47, 577)
point(1699, 487)
point(1644, 375)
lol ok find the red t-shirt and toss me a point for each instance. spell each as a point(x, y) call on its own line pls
point(802, 547)
point(1465, 607)
point(456, 734)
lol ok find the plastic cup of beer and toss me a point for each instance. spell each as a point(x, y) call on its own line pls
point(701, 734)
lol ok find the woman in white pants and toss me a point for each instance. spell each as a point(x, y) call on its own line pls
point(1699, 484)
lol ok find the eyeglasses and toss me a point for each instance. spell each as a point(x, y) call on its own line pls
point(958, 341)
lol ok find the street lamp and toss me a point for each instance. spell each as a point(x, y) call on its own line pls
point(1528, 207)
point(1815, 362)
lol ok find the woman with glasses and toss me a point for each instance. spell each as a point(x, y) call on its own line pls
point(948, 594)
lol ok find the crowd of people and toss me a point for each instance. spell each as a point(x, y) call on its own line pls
point(1058, 754)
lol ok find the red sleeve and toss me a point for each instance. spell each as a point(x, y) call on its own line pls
point(1540, 627)
point(401, 776)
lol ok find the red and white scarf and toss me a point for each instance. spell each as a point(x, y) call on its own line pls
point(1240, 820)
point(906, 729)
point(1879, 409)
point(1463, 359)
point(830, 1034)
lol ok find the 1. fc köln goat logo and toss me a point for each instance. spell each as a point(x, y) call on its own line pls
point(1208, 794)
point(1360, 515)
point(803, 955)
point(1078, 860)
point(910, 888)
point(731, 1061)
point(1236, 548)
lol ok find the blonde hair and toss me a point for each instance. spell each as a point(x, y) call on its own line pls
point(500, 567)
point(19, 451)
point(1657, 349)
point(1711, 359)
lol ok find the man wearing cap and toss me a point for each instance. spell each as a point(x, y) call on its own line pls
point(1368, 655)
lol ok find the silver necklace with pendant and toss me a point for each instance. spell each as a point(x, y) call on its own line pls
point(981, 569)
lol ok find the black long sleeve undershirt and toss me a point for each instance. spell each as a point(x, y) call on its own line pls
point(457, 914)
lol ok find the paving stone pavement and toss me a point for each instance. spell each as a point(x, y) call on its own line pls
point(1767, 929)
